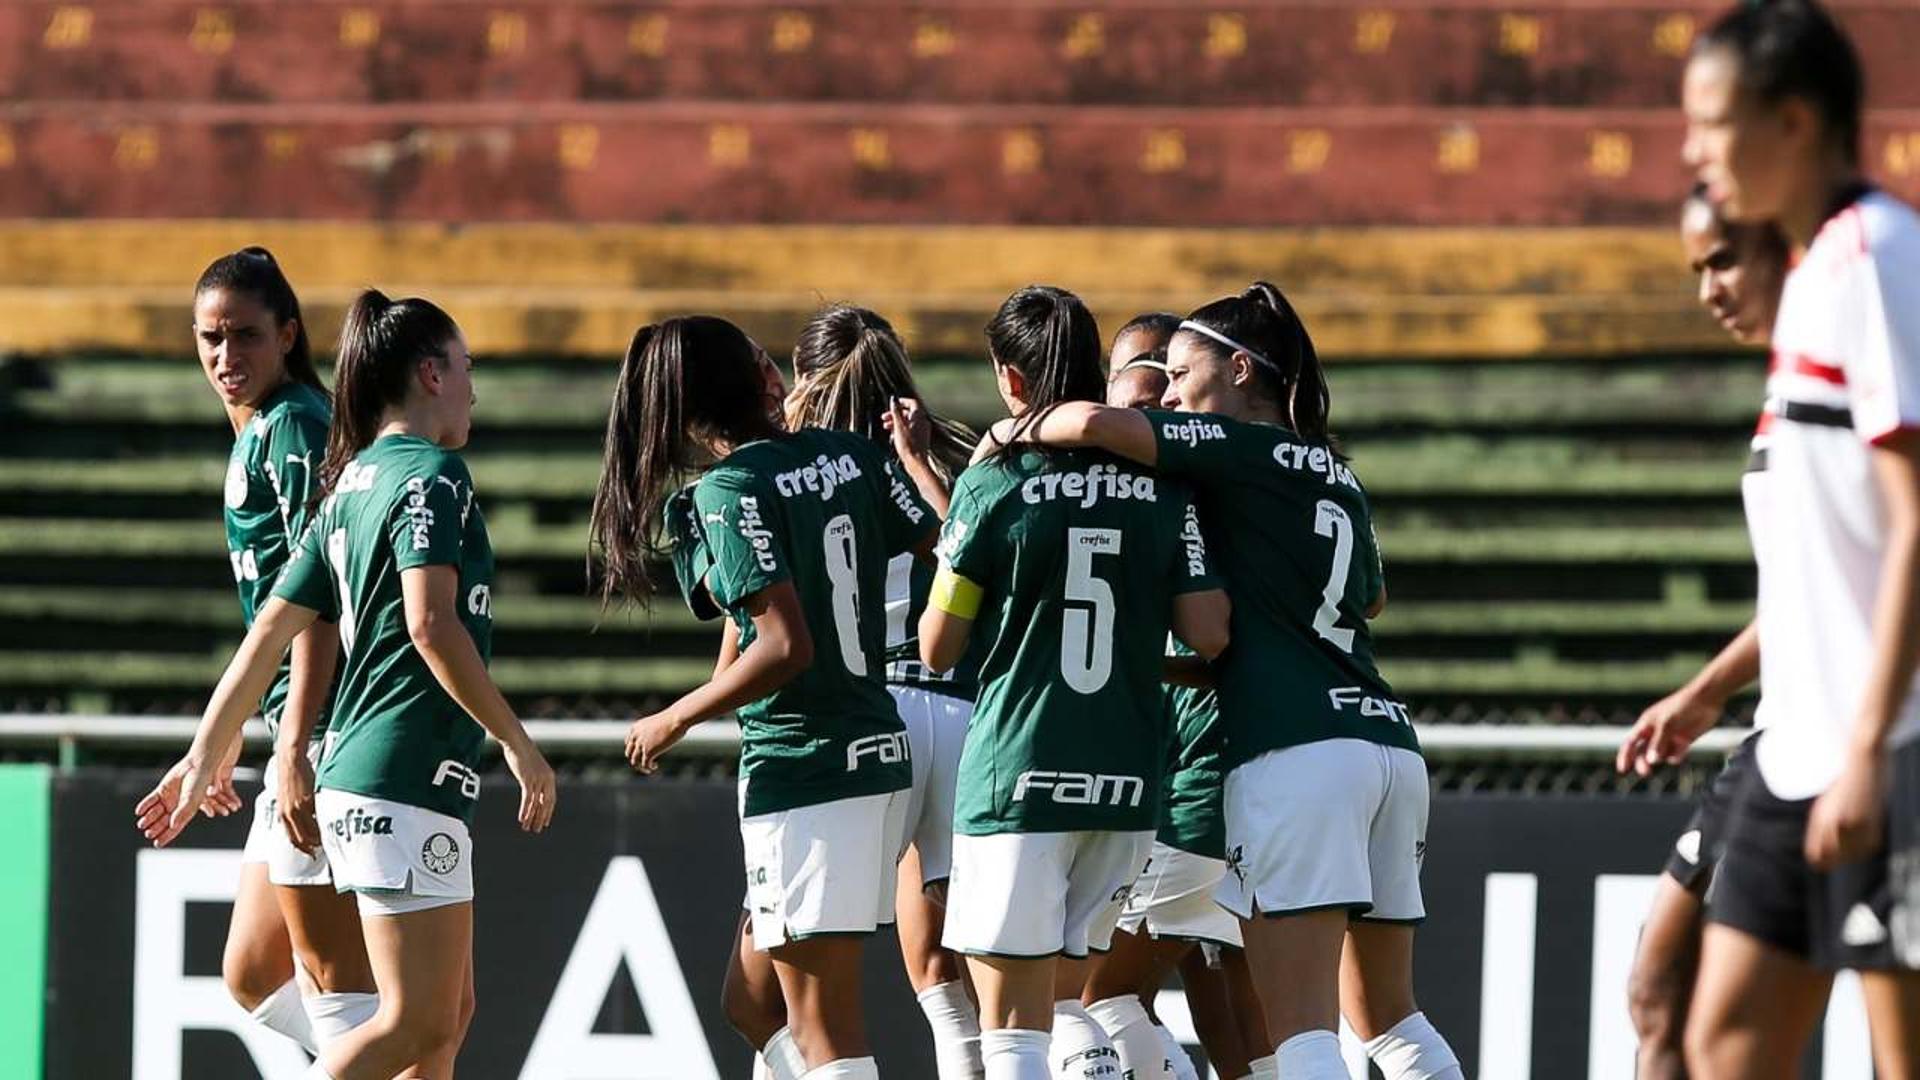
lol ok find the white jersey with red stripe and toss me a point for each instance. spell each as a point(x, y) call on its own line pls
point(1845, 374)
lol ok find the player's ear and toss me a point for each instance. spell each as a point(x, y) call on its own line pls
point(431, 374)
point(1240, 369)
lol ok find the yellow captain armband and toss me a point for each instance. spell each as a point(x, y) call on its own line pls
point(954, 594)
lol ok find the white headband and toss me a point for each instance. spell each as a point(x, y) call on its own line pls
point(1208, 331)
point(1144, 360)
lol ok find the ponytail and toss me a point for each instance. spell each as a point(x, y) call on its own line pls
point(1051, 339)
point(255, 272)
point(1262, 323)
point(683, 383)
point(380, 343)
point(848, 365)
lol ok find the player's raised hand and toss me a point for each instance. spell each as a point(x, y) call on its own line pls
point(909, 426)
point(1666, 731)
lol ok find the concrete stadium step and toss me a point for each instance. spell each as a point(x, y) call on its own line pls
point(1259, 52)
point(720, 163)
point(69, 286)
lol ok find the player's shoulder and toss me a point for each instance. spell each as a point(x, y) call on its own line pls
point(298, 407)
point(408, 461)
point(1875, 230)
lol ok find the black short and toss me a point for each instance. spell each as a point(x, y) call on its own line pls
point(1863, 916)
point(1698, 848)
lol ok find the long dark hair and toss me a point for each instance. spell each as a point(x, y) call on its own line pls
point(847, 366)
point(1286, 368)
point(380, 344)
point(683, 382)
point(1050, 338)
point(1794, 48)
point(255, 272)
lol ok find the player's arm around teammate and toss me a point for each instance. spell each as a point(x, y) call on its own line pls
point(1326, 794)
point(789, 534)
point(1072, 567)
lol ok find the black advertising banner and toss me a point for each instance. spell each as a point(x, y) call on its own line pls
point(600, 945)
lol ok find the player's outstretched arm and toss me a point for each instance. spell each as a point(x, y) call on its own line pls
point(433, 623)
point(1847, 820)
point(170, 807)
point(782, 648)
point(1669, 727)
point(1126, 432)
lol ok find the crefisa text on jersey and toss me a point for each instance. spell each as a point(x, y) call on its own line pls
point(1318, 460)
point(823, 477)
point(753, 529)
point(1088, 488)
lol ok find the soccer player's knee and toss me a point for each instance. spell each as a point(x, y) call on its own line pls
point(746, 1013)
point(248, 979)
point(1653, 1002)
point(427, 1031)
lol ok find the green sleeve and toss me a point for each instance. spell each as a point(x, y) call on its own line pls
point(1192, 568)
point(906, 518)
point(1194, 444)
point(967, 546)
point(428, 519)
point(305, 580)
point(295, 445)
point(740, 520)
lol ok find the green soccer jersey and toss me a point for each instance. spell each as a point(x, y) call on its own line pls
point(397, 734)
point(1294, 535)
point(1079, 557)
point(824, 510)
point(1191, 817)
point(270, 477)
point(909, 584)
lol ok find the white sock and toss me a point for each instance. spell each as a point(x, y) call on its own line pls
point(1015, 1054)
point(333, 1015)
point(1266, 1068)
point(846, 1069)
point(1311, 1055)
point(782, 1056)
point(1413, 1050)
point(956, 1031)
point(282, 1012)
point(1081, 1049)
point(761, 1070)
point(316, 1072)
point(1176, 1054)
point(1142, 1055)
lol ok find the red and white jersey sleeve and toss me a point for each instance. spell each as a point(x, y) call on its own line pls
point(1846, 345)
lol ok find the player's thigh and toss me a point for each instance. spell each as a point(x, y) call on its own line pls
point(1893, 1013)
point(1295, 960)
point(1669, 951)
point(258, 957)
point(421, 962)
point(1376, 976)
point(1754, 1008)
point(324, 926)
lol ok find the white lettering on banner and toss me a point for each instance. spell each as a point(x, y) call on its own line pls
point(167, 1002)
point(1620, 906)
point(622, 927)
point(1506, 977)
point(1846, 1045)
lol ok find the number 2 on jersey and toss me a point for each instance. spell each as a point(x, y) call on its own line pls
point(1331, 521)
point(1086, 636)
point(842, 572)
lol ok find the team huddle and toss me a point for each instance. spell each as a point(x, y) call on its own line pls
point(1079, 701)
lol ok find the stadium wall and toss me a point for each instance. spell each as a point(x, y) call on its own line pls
point(600, 944)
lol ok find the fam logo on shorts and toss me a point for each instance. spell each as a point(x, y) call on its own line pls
point(441, 853)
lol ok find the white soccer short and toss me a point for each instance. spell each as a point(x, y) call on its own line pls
point(1040, 894)
point(936, 730)
point(1173, 898)
point(829, 868)
point(267, 839)
point(397, 858)
point(1340, 823)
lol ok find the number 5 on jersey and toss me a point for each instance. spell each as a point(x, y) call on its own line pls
point(1086, 634)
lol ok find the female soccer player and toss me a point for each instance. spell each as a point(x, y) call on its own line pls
point(253, 348)
point(1740, 268)
point(1171, 918)
point(1821, 865)
point(851, 374)
point(398, 555)
point(1326, 793)
point(790, 534)
point(1076, 564)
